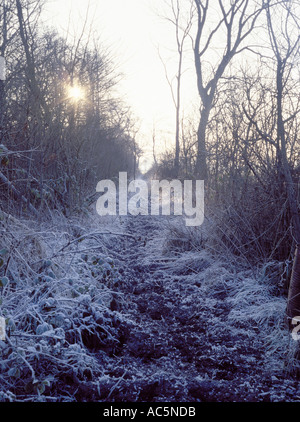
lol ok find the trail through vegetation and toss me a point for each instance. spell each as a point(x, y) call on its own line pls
point(129, 310)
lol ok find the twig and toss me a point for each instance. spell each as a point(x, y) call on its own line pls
point(115, 386)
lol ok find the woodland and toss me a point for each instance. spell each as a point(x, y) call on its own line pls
point(143, 308)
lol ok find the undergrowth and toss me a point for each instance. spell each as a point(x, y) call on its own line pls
point(71, 324)
point(60, 326)
point(256, 293)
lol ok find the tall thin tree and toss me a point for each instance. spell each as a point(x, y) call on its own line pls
point(237, 18)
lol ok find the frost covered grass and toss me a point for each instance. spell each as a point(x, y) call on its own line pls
point(57, 287)
point(253, 303)
point(135, 310)
point(255, 295)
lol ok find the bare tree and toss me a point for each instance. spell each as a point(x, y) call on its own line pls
point(8, 32)
point(33, 8)
point(237, 18)
point(181, 18)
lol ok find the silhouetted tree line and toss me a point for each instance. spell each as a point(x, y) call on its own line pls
point(54, 148)
point(245, 140)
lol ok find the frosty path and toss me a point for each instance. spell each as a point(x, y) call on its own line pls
point(186, 342)
point(129, 310)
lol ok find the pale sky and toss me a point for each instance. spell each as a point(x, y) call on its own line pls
point(133, 30)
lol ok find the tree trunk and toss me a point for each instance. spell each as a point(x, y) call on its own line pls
point(201, 171)
point(293, 305)
point(2, 104)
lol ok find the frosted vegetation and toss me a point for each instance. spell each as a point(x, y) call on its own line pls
point(136, 309)
point(144, 308)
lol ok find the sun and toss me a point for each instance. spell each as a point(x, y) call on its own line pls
point(75, 93)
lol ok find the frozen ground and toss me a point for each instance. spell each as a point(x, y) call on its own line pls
point(132, 309)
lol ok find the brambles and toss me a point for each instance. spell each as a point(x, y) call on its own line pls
point(57, 316)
